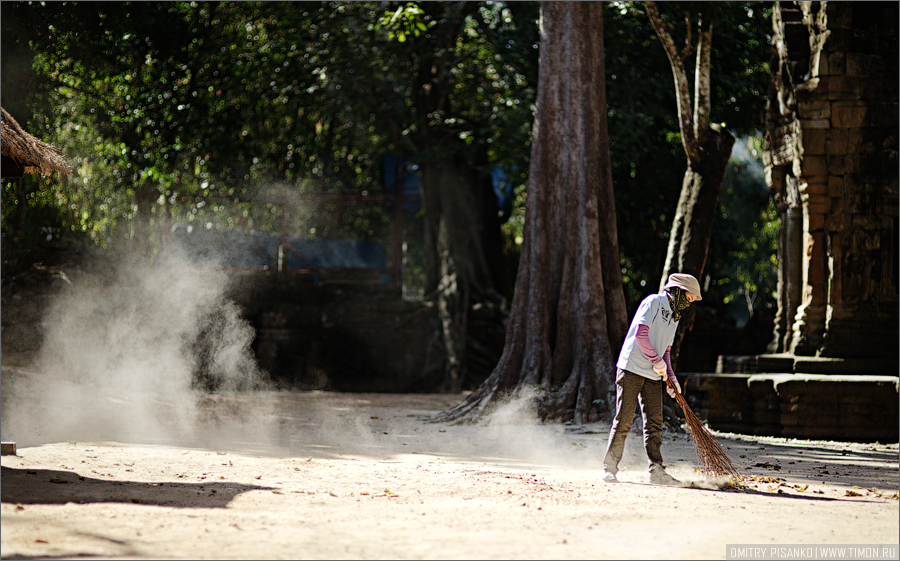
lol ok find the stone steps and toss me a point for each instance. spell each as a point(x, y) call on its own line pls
point(827, 404)
point(785, 362)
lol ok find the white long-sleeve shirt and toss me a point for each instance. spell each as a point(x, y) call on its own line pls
point(656, 313)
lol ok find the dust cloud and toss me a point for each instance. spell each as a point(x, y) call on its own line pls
point(129, 355)
point(157, 354)
point(513, 434)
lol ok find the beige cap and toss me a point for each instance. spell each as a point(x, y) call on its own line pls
point(685, 281)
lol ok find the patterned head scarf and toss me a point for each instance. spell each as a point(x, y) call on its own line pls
point(676, 286)
point(679, 301)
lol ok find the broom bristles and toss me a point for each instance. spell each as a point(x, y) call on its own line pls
point(710, 454)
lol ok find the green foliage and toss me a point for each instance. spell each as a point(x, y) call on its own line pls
point(743, 263)
point(225, 111)
point(29, 212)
point(406, 20)
point(213, 106)
point(236, 114)
point(648, 162)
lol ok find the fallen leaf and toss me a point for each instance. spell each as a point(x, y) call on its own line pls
point(804, 488)
point(853, 493)
point(857, 487)
point(277, 493)
point(41, 541)
point(221, 477)
point(373, 417)
point(388, 492)
point(296, 469)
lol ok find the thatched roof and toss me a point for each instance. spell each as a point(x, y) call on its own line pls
point(36, 156)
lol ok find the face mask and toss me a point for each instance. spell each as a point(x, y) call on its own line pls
point(679, 302)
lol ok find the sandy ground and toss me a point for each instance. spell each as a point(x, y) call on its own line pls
point(325, 476)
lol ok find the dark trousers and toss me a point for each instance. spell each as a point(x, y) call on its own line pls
point(632, 389)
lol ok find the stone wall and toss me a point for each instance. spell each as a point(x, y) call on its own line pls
point(344, 336)
point(858, 408)
point(832, 164)
point(340, 334)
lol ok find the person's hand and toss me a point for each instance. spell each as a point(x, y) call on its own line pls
point(673, 390)
point(661, 370)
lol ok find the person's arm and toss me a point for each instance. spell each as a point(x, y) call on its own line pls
point(667, 357)
point(642, 339)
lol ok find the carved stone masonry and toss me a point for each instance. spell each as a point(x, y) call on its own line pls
point(832, 165)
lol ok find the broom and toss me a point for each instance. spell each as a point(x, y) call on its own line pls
point(710, 454)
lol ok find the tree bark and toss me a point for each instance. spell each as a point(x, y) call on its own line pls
point(708, 149)
point(567, 318)
point(462, 249)
point(692, 225)
point(682, 90)
point(454, 202)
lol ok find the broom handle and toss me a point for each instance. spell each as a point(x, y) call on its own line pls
point(671, 385)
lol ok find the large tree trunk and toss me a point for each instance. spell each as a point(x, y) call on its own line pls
point(454, 203)
point(708, 149)
point(692, 226)
point(463, 271)
point(568, 317)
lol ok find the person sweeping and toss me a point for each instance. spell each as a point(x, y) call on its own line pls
point(643, 367)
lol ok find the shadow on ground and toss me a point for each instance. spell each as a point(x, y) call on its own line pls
point(42, 486)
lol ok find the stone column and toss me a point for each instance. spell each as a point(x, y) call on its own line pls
point(833, 143)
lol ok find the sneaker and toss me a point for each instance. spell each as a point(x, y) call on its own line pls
point(610, 477)
point(658, 476)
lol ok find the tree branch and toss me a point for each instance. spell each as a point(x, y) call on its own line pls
point(689, 47)
point(702, 103)
point(683, 94)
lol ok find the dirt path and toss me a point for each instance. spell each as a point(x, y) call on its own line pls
point(324, 476)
